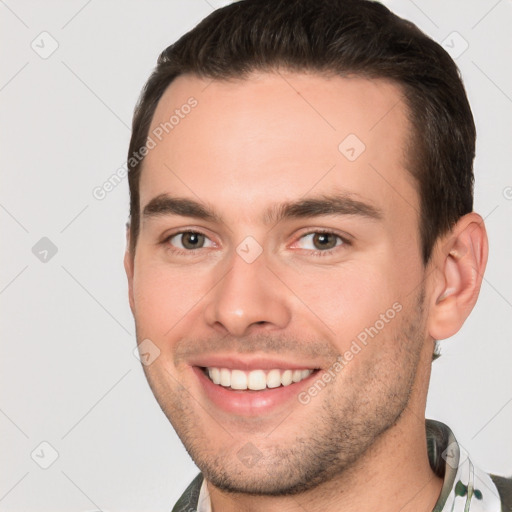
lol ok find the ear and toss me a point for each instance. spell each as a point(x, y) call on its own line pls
point(460, 260)
point(129, 261)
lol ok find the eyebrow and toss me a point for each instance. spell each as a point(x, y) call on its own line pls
point(337, 204)
point(165, 204)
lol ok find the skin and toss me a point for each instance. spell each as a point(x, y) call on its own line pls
point(248, 146)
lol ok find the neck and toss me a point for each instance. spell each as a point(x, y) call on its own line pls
point(393, 475)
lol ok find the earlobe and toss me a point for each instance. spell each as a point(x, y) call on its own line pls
point(461, 259)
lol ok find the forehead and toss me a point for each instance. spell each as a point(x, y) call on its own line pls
point(276, 136)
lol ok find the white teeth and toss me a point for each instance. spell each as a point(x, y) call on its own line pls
point(305, 373)
point(214, 375)
point(225, 377)
point(238, 379)
point(286, 378)
point(256, 379)
point(297, 375)
point(273, 379)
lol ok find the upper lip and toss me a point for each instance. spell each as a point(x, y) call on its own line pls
point(235, 362)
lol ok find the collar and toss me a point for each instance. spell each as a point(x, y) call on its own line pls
point(465, 488)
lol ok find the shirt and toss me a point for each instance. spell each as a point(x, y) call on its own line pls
point(465, 486)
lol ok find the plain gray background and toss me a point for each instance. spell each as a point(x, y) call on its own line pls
point(68, 374)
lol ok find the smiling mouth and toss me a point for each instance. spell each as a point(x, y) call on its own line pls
point(255, 380)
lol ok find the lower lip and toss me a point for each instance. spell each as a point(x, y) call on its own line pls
point(249, 402)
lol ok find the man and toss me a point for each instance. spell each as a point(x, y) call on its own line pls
point(301, 234)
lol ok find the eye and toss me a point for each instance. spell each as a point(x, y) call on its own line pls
point(189, 240)
point(320, 241)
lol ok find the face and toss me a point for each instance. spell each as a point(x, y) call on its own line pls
point(277, 275)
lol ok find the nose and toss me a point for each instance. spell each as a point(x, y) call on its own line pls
point(248, 297)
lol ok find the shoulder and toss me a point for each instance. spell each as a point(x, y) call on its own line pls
point(504, 486)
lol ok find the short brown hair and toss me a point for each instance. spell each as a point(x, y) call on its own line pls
point(341, 37)
point(356, 37)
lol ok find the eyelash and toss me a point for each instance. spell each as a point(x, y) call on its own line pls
point(327, 252)
point(315, 253)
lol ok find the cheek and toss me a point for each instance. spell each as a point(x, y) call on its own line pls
point(165, 297)
point(351, 298)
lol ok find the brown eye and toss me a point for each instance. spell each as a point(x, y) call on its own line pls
point(324, 241)
point(189, 240)
point(192, 240)
point(320, 241)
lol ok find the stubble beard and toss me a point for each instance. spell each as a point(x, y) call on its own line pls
point(345, 421)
